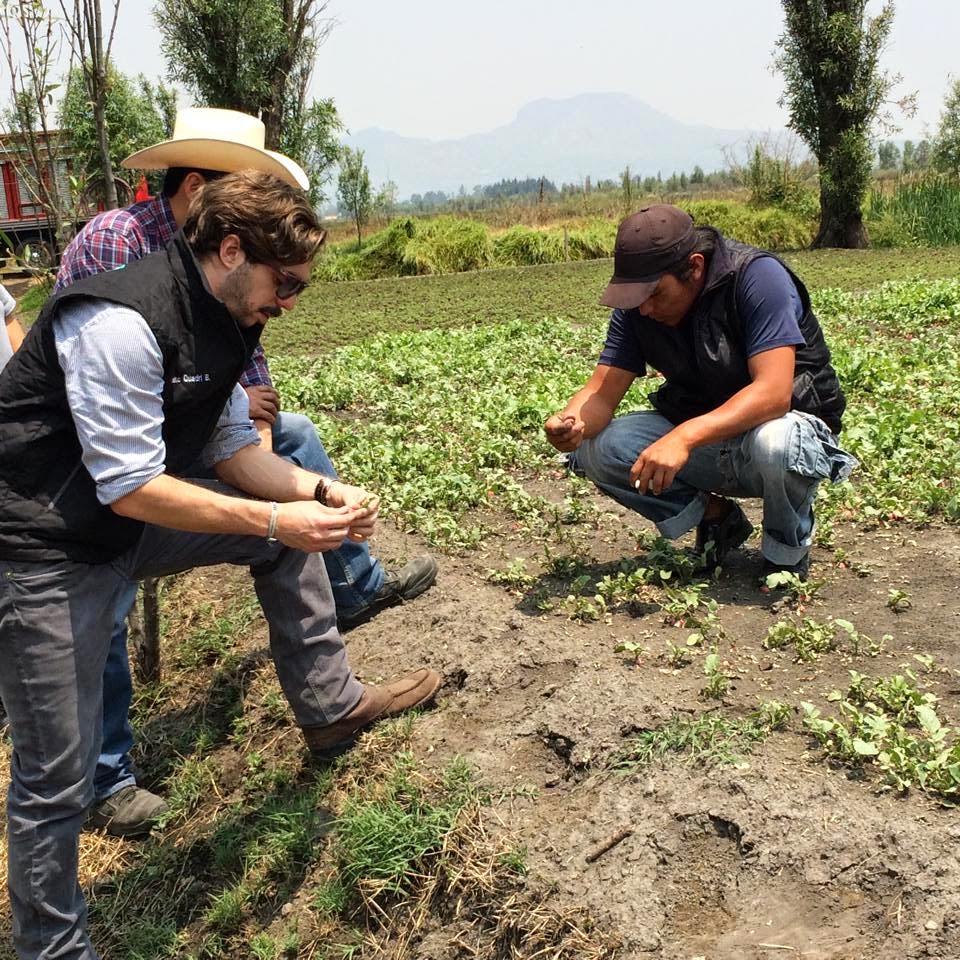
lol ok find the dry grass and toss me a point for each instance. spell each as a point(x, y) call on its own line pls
point(223, 749)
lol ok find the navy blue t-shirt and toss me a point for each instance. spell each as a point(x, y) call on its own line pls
point(767, 301)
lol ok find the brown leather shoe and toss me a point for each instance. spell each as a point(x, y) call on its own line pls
point(377, 702)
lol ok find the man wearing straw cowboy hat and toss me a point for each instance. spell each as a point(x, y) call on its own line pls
point(126, 380)
point(206, 144)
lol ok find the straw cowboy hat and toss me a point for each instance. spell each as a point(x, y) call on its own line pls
point(209, 139)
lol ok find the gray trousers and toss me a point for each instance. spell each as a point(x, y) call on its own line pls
point(55, 625)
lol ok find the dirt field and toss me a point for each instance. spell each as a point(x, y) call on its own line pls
point(777, 856)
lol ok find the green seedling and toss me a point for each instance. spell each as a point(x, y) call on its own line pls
point(717, 683)
point(678, 656)
point(795, 590)
point(898, 601)
point(635, 650)
point(891, 724)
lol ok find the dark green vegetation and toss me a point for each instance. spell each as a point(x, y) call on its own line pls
point(411, 246)
point(331, 315)
point(918, 210)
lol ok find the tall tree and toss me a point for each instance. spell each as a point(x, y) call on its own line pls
point(888, 155)
point(309, 135)
point(136, 111)
point(34, 146)
point(84, 28)
point(256, 56)
point(946, 144)
point(908, 163)
point(835, 91)
point(353, 188)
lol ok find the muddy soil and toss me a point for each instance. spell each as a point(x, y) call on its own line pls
point(781, 855)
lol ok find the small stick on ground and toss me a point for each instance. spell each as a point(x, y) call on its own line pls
point(608, 844)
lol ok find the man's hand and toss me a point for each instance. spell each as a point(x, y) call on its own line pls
point(264, 402)
point(564, 432)
point(365, 507)
point(309, 526)
point(658, 465)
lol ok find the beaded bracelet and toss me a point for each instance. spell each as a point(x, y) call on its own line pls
point(322, 490)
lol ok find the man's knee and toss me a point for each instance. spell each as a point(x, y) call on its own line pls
point(609, 455)
point(769, 445)
point(597, 456)
point(295, 437)
point(296, 430)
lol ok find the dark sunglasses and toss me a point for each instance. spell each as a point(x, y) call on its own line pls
point(288, 284)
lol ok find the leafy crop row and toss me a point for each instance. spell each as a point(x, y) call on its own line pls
point(446, 424)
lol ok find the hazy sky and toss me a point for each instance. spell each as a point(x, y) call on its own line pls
point(442, 68)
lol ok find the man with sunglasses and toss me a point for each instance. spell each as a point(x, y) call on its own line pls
point(749, 406)
point(206, 144)
point(125, 381)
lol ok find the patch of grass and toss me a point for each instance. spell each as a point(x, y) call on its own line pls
point(215, 636)
point(365, 850)
point(707, 739)
point(383, 839)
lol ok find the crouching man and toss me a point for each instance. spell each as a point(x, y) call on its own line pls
point(750, 406)
point(126, 379)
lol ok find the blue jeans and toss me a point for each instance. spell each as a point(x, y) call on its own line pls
point(781, 461)
point(354, 575)
point(55, 623)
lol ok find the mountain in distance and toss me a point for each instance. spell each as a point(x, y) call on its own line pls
point(593, 134)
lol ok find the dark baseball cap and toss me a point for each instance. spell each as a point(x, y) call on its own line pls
point(648, 244)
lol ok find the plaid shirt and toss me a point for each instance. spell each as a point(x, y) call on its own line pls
point(118, 237)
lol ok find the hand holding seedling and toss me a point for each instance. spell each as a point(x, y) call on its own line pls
point(658, 465)
point(564, 431)
point(364, 507)
point(312, 527)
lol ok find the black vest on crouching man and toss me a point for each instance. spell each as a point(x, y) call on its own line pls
point(704, 360)
point(48, 503)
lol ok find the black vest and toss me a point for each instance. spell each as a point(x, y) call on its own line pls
point(704, 361)
point(48, 503)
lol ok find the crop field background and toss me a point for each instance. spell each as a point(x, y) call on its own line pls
point(627, 759)
point(334, 314)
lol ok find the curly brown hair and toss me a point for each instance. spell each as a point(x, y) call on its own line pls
point(273, 220)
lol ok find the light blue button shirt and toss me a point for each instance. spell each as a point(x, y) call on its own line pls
point(7, 306)
point(113, 370)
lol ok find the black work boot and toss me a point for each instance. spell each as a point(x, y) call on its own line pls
point(716, 538)
point(415, 578)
